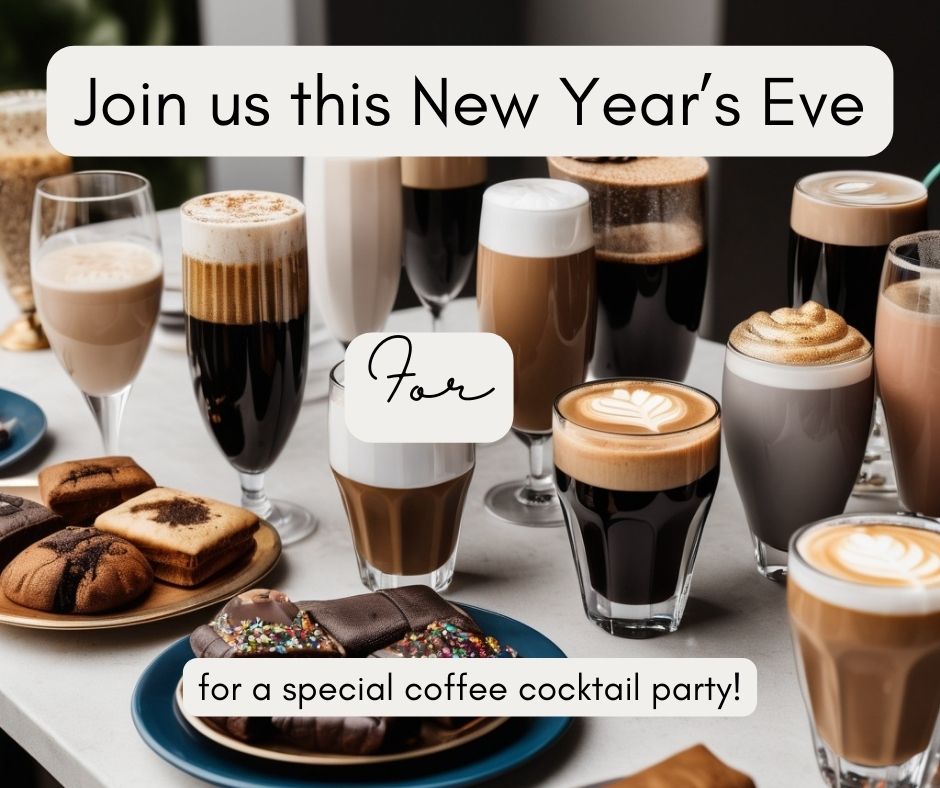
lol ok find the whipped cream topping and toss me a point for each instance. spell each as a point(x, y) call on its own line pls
point(98, 265)
point(637, 407)
point(807, 335)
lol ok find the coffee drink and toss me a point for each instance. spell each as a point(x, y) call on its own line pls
point(652, 260)
point(636, 466)
point(864, 602)
point(907, 347)
point(404, 501)
point(536, 289)
point(441, 196)
point(245, 296)
point(99, 303)
point(26, 158)
point(840, 226)
point(355, 256)
point(797, 395)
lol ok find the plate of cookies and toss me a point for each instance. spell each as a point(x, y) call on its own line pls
point(97, 544)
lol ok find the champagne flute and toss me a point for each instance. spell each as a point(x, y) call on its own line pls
point(97, 274)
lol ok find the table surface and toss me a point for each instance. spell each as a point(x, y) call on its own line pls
point(65, 696)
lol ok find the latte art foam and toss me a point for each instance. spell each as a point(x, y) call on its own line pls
point(808, 335)
point(638, 408)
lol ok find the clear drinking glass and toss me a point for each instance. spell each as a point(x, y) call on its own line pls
point(907, 363)
point(246, 301)
point(404, 501)
point(97, 273)
point(536, 289)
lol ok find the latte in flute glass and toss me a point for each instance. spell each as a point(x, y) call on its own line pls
point(864, 600)
point(536, 289)
point(636, 466)
point(907, 361)
point(840, 226)
point(245, 295)
point(797, 395)
point(404, 501)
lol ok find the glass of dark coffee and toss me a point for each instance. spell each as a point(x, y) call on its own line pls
point(441, 199)
point(246, 299)
point(840, 226)
point(649, 218)
point(636, 466)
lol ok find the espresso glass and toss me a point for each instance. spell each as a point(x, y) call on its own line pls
point(907, 363)
point(404, 501)
point(442, 196)
point(97, 278)
point(26, 158)
point(650, 233)
point(840, 226)
point(536, 289)
point(636, 467)
point(796, 435)
point(863, 595)
point(245, 296)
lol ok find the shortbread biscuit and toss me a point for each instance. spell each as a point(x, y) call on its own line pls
point(80, 490)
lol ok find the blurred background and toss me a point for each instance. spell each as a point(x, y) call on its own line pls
point(749, 198)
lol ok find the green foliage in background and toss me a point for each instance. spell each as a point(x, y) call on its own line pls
point(32, 30)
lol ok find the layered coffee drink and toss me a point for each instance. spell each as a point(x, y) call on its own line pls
point(441, 198)
point(864, 602)
point(652, 259)
point(907, 347)
point(245, 296)
point(404, 501)
point(26, 158)
point(99, 302)
point(636, 467)
point(840, 226)
point(536, 289)
point(797, 394)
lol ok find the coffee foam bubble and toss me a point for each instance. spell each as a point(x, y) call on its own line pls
point(23, 122)
point(874, 563)
point(630, 172)
point(857, 207)
point(536, 217)
point(98, 266)
point(442, 172)
point(920, 296)
point(651, 243)
point(242, 226)
point(636, 435)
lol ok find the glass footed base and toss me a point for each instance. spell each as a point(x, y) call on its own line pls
point(506, 502)
point(377, 580)
point(838, 772)
point(291, 521)
point(634, 621)
point(771, 562)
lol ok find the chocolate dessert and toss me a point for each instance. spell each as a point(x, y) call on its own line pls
point(80, 490)
point(23, 522)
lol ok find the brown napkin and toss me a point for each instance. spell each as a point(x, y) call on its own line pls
point(695, 767)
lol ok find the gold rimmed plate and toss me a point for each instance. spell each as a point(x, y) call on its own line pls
point(285, 753)
point(163, 601)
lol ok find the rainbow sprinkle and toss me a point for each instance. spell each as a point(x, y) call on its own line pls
point(261, 637)
point(441, 640)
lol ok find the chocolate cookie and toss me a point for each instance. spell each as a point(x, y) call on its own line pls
point(23, 522)
point(77, 570)
point(80, 490)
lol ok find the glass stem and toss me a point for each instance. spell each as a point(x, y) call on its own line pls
point(436, 318)
point(108, 410)
point(538, 489)
point(254, 498)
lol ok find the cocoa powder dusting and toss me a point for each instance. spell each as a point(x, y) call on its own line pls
point(176, 511)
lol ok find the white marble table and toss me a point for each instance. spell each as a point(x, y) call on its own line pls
point(65, 697)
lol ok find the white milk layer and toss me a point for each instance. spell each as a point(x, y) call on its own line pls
point(795, 376)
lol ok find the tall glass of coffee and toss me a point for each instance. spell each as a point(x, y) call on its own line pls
point(97, 274)
point(797, 397)
point(26, 158)
point(404, 501)
point(652, 259)
point(442, 196)
point(246, 299)
point(840, 226)
point(907, 362)
point(536, 289)
point(864, 602)
point(355, 256)
point(636, 466)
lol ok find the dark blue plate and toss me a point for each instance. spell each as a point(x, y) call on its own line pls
point(510, 745)
point(29, 428)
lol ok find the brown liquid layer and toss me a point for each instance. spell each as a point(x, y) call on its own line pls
point(544, 307)
point(442, 172)
point(642, 171)
point(871, 679)
point(650, 243)
point(246, 293)
point(405, 531)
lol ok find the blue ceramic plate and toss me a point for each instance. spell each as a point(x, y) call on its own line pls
point(510, 745)
point(29, 428)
